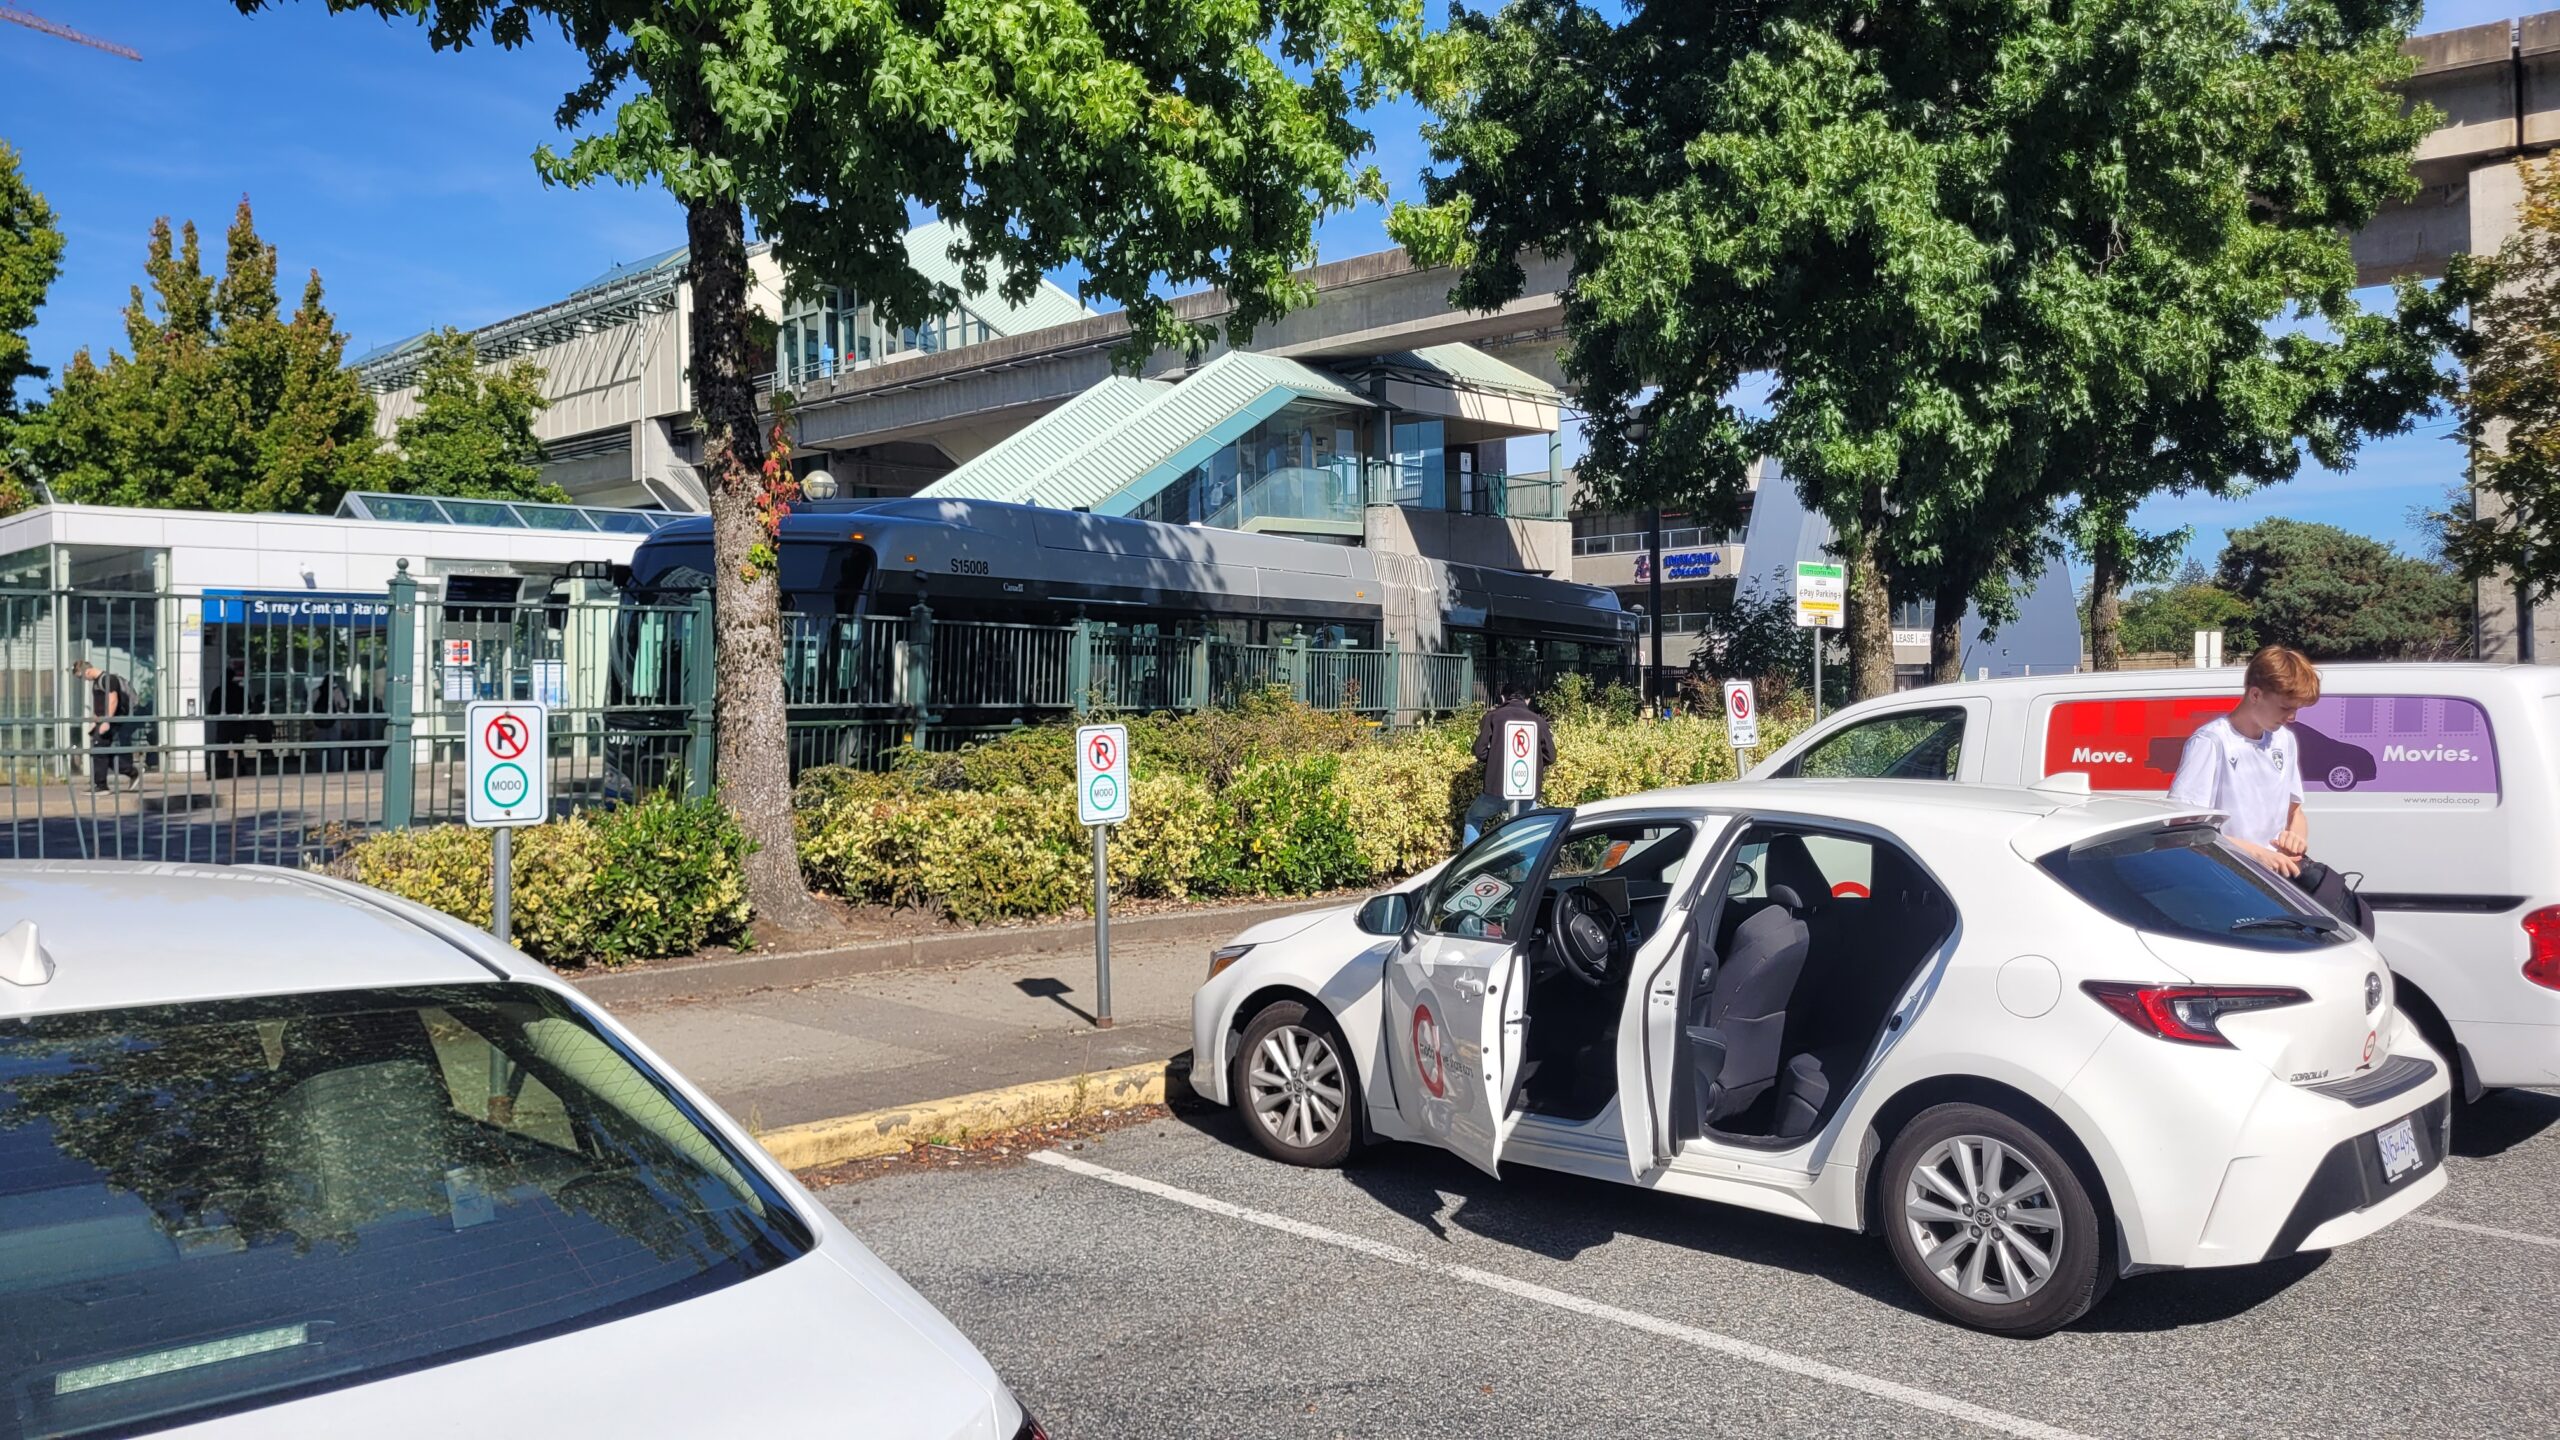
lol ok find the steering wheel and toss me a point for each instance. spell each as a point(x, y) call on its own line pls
point(1584, 937)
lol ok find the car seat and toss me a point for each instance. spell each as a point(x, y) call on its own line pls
point(1734, 1051)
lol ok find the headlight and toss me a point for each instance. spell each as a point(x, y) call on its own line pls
point(1224, 956)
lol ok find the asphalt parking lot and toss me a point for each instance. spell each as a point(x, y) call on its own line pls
point(1166, 1280)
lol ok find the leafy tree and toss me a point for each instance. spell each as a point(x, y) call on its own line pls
point(2338, 596)
point(30, 261)
point(2102, 533)
point(1757, 638)
point(2165, 619)
point(218, 402)
point(1971, 242)
point(472, 433)
point(1146, 142)
point(2510, 407)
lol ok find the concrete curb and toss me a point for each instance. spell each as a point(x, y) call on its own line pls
point(1040, 1102)
point(921, 952)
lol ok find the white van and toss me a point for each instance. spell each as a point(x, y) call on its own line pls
point(2438, 784)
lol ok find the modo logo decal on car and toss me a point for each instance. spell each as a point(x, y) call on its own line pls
point(1426, 1051)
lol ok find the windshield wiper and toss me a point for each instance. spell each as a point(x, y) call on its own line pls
point(2285, 922)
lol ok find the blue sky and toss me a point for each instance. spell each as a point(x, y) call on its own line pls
point(405, 178)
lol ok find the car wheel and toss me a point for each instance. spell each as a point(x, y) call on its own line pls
point(2341, 778)
point(1294, 1088)
point(1992, 1224)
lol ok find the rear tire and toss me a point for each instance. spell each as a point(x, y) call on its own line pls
point(1992, 1224)
point(1292, 1085)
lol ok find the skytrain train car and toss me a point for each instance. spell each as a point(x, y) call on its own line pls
point(855, 576)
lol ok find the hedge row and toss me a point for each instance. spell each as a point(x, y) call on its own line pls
point(660, 877)
point(1276, 800)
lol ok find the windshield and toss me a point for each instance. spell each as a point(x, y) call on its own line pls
point(205, 1208)
point(2182, 880)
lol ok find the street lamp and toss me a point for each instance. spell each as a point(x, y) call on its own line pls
point(818, 485)
point(1636, 431)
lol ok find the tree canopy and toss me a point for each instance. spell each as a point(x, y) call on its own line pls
point(1142, 143)
point(218, 401)
point(471, 434)
point(2340, 596)
point(1992, 255)
point(30, 261)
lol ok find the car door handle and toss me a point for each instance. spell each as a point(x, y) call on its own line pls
point(1469, 987)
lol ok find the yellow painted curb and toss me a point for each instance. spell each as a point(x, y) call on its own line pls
point(886, 1132)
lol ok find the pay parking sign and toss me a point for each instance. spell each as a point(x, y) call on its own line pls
point(1102, 774)
point(507, 782)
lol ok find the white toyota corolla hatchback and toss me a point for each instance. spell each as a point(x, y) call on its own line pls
point(2038, 1039)
point(281, 1156)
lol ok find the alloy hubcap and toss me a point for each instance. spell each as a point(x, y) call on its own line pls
point(1295, 1086)
point(1984, 1219)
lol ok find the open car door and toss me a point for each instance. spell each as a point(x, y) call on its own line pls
point(1457, 987)
point(1660, 984)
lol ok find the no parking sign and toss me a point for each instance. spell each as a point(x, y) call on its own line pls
point(1519, 760)
point(1102, 774)
point(508, 783)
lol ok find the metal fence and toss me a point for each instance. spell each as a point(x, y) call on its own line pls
point(278, 729)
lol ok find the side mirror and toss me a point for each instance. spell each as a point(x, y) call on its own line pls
point(1386, 914)
point(1743, 879)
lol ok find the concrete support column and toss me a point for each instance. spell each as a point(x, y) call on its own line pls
point(2496, 198)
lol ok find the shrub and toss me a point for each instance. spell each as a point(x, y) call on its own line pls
point(662, 877)
point(1174, 823)
point(1288, 831)
point(1404, 799)
point(992, 857)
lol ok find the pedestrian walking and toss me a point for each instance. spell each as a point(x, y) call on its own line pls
point(1514, 709)
point(2248, 764)
point(111, 728)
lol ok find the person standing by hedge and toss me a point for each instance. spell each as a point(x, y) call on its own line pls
point(1514, 709)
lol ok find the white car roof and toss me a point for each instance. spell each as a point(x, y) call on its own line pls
point(132, 933)
point(2345, 676)
point(2031, 820)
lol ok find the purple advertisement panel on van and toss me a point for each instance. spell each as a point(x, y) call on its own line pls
point(2398, 744)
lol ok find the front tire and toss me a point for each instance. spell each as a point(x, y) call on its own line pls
point(2341, 778)
point(1992, 1224)
point(1293, 1086)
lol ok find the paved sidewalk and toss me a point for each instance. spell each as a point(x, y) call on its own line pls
point(866, 1042)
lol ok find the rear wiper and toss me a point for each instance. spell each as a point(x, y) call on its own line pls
point(2292, 922)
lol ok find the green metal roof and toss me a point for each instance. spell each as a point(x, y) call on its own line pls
point(1112, 447)
point(928, 250)
point(1468, 366)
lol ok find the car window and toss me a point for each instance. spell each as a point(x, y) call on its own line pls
point(206, 1208)
point(1905, 745)
point(2183, 880)
point(1632, 867)
point(1480, 893)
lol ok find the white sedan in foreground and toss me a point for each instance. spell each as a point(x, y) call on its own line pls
point(281, 1156)
point(2037, 1039)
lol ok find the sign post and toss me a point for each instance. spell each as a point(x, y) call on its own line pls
point(508, 784)
point(1741, 720)
point(1822, 600)
point(1519, 763)
point(1102, 801)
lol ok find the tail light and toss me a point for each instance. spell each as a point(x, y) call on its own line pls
point(2188, 1014)
point(2542, 933)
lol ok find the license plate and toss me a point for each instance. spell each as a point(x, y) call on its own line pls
point(2399, 1145)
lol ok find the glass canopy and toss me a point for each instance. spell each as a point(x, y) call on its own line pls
point(500, 514)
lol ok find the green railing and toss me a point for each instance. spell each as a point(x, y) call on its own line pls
point(280, 728)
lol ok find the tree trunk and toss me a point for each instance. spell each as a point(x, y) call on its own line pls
point(754, 761)
point(1870, 604)
point(1946, 632)
point(2106, 600)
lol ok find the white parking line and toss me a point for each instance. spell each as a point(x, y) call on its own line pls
point(2470, 1229)
point(1894, 1391)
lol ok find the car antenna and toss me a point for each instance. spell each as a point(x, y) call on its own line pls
point(2066, 782)
point(23, 961)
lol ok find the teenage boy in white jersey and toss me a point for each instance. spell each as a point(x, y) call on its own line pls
point(2248, 764)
